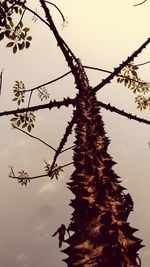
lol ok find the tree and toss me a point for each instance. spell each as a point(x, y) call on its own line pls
point(105, 237)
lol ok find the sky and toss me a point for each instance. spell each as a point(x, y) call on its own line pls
point(102, 34)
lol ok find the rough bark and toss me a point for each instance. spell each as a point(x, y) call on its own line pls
point(101, 234)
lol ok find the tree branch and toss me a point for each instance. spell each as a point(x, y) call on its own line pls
point(34, 137)
point(140, 3)
point(13, 176)
point(52, 81)
point(66, 102)
point(118, 69)
point(122, 113)
point(62, 143)
point(63, 18)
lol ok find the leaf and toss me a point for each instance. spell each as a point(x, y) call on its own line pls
point(27, 45)
point(29, 128)
point(1, 36)
point(18, 123)
point(10, 44)
point(26, 29)
point(14, 119)
point(15, 49)
point(21, 46)
point(29, 38)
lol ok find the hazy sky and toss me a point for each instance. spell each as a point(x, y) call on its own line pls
point(101, 34)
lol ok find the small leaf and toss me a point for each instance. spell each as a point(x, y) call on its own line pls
point(18, 123)
point(29, 128)
point(26, 29)
point(10, 44)
point(29, 38)
point(27, 45)
point(1, 36)
point(21, 46)
point(15, 49)
point(14, 119)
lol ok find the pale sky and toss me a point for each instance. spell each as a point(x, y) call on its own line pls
point(102, 34)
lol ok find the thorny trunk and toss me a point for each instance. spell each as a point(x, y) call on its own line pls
point(101, 235)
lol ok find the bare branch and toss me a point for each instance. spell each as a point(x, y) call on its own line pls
point(140, 3)
point(63, 18)
point(52, 81)
point(13, 176)
point(34, 137)
point(144, 63)
point(118, 69)
point(64, 150)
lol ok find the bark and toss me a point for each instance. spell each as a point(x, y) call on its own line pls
point(101, 234)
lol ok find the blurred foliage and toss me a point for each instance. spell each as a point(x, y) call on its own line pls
point(129, 77)
point(15, 32)
point(24, 120)
point(55, 172)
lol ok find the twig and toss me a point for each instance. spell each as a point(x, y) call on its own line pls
point(64, 150)
point(34, 137)
point(63, 18)
point(34, 177)
point(144, 63)
point(140, 3)
point(52, 81)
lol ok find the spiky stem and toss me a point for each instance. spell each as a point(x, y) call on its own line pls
point(101, 237)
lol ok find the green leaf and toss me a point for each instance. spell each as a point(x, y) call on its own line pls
point(15, 49)
point(29, 128)
point(27, 45)
point(29, 38)
point(10, 44)
point(18, 123)
point(26, 29)
point(1, 36)
point(21, 46)
point(14, 119)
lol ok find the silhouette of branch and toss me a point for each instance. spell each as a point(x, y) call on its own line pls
point(52, 81)
point(34, 137)
point(140, 3)
point(66, 149)
point(13, 176)
point(63, 18)
point(70, 101)
point(62, 143)
point(122, 113)
point(66, 102)
point(118, 75)
point(36, 14)
point(144, 63)
point(86, 67)
point(118, 69)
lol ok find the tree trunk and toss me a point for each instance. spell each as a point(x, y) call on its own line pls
point(101, 234)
